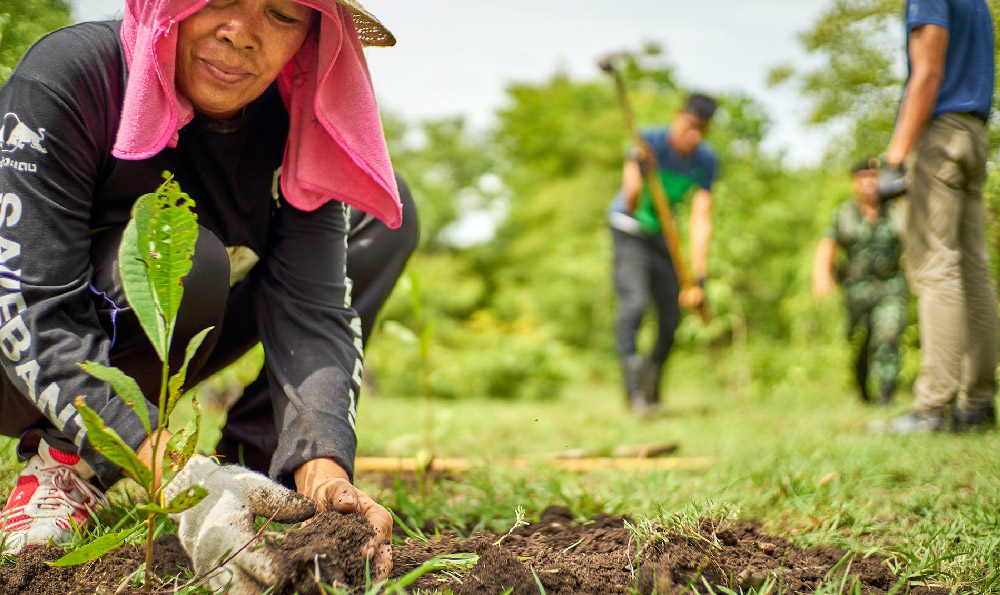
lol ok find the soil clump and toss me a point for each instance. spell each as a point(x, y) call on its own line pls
point(326, 550)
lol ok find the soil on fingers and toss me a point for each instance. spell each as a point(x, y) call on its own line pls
point(327, 550)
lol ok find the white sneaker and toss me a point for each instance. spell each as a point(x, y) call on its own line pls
point(51, 490)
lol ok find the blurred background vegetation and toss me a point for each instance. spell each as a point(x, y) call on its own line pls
point(519, 313)
point(513, 269)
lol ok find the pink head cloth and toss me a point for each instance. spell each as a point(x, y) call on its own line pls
point(335, 148)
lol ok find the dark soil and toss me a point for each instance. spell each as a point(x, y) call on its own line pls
point(326, 550)
point(32, 576)
point(565, 557)
point(603, 556)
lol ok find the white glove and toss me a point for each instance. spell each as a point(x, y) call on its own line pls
point(223, 522)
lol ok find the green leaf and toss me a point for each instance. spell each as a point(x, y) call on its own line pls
point(181, 502)
point(135, 280)
point(155, 256)
point(124, 386)
point(184, 442)
point(188, 452)
point(96, 548)
point(107, 442)
point(176, 382)
point(168, 242)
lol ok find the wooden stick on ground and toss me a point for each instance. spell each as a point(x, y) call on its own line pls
point(399, 464)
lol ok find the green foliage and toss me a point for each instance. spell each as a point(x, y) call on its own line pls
point(486, 357)
point(22, 23)
point(857, 71)
point(520, 313)
point(446, 167)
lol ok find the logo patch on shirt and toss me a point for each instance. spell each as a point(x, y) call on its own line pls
point(16, 136)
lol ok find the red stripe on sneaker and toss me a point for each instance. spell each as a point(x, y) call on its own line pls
point(16, 520)
point(23, 491)
point(64, 458)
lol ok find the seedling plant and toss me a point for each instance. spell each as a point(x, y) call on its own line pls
point(156, 254)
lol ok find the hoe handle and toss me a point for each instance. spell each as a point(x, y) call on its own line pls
point(651, 175)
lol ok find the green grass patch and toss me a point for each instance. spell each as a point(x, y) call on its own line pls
point(797, 459)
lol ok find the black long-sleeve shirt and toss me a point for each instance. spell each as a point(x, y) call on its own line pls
point(59, 183)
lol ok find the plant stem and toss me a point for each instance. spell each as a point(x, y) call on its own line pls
point(153, 491)
point(147, 576)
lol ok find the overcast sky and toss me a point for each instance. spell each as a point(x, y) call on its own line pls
point(455, 56)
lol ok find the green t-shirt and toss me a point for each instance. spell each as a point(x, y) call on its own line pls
point(681, 176)
point(677, 187)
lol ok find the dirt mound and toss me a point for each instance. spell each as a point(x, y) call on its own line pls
point(600, 555)
point(33, 576)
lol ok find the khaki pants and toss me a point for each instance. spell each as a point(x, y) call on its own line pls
point(946, 260)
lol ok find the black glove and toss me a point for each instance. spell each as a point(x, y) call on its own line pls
point(891, 182)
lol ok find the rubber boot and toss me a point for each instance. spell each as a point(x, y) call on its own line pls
point(888, 390)
point(861, 376)
point(651, 373)
point(632, 368)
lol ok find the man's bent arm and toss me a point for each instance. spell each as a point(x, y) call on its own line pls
point(823, 262)
point(631, 184)
point(700, 230)
point(928, 50)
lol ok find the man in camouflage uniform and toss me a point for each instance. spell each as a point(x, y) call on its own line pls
point(873, 281)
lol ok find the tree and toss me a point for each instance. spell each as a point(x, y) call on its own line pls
point(22, 23)
point(858, 51)
point(447, 170)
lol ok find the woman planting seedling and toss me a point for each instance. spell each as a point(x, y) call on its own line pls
point(264, 113)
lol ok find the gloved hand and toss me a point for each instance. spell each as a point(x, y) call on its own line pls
point(891, 182)
point(223, 522)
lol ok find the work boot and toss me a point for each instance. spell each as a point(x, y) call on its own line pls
point(52, 493)
point(651, 373)
point(632, 368)
point(981, 419)
point(887, 393)
point(861, 377)
point(915, 422)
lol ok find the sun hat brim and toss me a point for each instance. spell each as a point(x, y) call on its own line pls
point(370, 30)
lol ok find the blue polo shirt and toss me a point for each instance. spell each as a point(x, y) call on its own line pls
point(680, 174)
point(968, 73)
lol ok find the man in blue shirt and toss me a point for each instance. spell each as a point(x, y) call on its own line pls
point(643, 270)
point(940, 138)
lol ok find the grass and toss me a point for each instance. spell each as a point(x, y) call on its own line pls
point(797, 459)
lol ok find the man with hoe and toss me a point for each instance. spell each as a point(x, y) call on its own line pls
point(264, 112)
point(937, 156)
point(643, 268)
point(874, 284)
